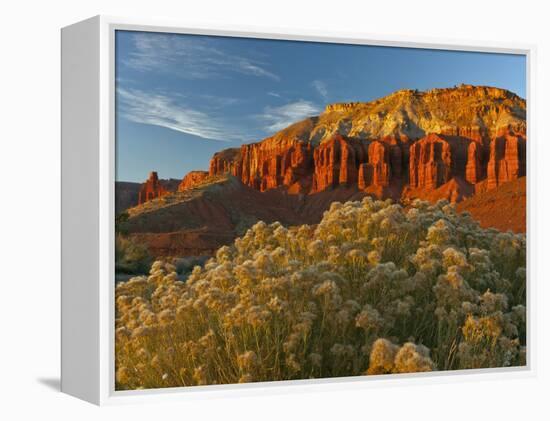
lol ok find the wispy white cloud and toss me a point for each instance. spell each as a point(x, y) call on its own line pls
point(321, 88)
point(191, 58)
point(215, 102)
point(161, 110)
point(277, 118)
point(246, 66)
point(275, 94)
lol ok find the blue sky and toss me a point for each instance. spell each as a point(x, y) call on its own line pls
point(180, 98)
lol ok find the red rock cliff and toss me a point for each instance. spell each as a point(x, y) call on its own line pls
point(475, 170)
point(151, 189)
point(268, 164)
point(408, 140)
point(507, 160)
point(376, 172)
point(430, 162)
point(192, 179)
point(336, 162)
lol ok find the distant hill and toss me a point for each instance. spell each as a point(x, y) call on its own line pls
point(126, 195)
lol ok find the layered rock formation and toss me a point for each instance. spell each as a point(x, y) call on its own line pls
point(430, 163)
point(224, 162)
point(335, 162)
point(475, 170)
point(266, 165)
point(402, 144)
point(507, 160)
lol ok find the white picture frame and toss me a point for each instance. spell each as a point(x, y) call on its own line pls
point(88, 159)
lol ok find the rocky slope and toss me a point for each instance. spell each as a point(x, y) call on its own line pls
point(503, 208)
point(199, 219)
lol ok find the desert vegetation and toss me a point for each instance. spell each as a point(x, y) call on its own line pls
point(374, 288)
point(130, 256)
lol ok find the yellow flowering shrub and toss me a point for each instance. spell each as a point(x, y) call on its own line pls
point(374, 288)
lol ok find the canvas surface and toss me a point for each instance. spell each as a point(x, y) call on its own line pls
point(292, 210)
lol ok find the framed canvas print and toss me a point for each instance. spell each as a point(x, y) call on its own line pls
point(246, 210)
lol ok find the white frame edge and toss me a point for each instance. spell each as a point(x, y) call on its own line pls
point(80, 123)
point(98, 387)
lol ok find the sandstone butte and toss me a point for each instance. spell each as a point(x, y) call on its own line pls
point(151, 189)
point(443, 143)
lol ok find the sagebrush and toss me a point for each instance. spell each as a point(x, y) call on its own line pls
point(130, 256)
point(374, 288)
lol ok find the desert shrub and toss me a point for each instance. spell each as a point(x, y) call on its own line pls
point(185, 265)
point(130, 256)
point(374, 288)
point(120, 219)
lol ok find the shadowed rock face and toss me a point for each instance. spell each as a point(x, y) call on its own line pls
point(430, 163)
point(126, 195)
point(507, 161)
point(475, 170)
point(336, 162)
